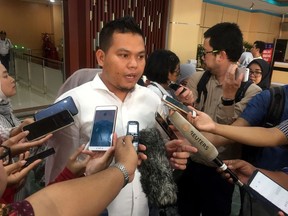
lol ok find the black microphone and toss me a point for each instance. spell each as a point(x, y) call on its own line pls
point(156, 173)
point(204, 146)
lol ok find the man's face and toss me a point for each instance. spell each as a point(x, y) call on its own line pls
point(254, 50)
point(123, 63)
point(208, 57)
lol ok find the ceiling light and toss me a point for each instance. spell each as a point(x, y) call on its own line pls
point(52, 0)
point(252, 5)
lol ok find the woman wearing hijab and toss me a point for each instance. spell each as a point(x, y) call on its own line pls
point(7, 90)
point(260, 73)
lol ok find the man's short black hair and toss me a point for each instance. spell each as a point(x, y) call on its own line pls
point(227, 37)
point(260, 45)
point(125, 24)
point(159, 64)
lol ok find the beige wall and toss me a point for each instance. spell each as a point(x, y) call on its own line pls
point(189, 19)
point(183, 28)
point(25, 21)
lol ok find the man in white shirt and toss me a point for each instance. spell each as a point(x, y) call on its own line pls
point(122, 58)
point(257, 49)
point(5, 46)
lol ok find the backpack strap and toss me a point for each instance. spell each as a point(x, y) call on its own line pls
point(242, 90)
point(201, 86)
point(276, 106)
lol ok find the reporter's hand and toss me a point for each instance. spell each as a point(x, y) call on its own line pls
point(141, 155)
point(242, 169)
point(77, 167)
point(16, 173)
point(230, 84)
point(186, 97)
point(18, 148)
point(18, 129)
point(202, 121)
point(125, 154)
point(178, 151)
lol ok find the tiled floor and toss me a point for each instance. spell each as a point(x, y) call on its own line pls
point(29, 98)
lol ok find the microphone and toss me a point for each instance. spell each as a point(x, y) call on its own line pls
point(156, 173)
point(205, 148)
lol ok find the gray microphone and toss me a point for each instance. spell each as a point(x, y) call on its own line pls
point(205, 148)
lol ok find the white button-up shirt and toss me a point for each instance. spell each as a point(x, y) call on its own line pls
point(139, 105)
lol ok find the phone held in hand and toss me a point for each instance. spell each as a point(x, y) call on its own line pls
point(269, 191)
point(51, 124)
point(133, 129)
point(176, 105)
point(64, 104)
point(244, 71)
point(40, 155)
point(175, 87)
point(103, 128)
point(164, 125)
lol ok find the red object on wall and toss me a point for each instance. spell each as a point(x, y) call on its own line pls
point(268, 52)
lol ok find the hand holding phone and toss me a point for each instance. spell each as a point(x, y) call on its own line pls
point(103, 128)
point(175, 87)
point(243, 70)
point(133, 129)
point(164, 125)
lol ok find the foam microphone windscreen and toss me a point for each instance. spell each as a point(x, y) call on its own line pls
point(156, 173)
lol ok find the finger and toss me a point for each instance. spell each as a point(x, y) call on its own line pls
point(77, 152)
point(15, 139)
point(25, 170)
point(141, 147)
point(40, 141)
point(14, 167)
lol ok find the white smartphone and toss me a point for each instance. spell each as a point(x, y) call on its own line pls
point(103, 128)
point(269, 190)
point(243, 70)
point(133, 129)
point(176, 105)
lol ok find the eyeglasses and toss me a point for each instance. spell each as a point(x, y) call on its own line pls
point(177, 72)
point(204, 53)
point(5, 155)
point(255, 73)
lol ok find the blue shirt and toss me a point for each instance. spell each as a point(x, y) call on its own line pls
point(271, 158)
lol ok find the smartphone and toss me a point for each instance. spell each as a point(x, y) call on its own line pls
point(268, 190)
point(64, 104)
point(133, 129)
point(176, 105)
point(243, 70)
point(164, 125)
point(103, 128)
point(175, 87)
point(40, 155)
point(39, 129)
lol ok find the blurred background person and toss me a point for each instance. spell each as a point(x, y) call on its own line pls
point(257, 49)
point(5, 47)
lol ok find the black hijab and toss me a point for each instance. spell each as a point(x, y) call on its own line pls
point(266, 73)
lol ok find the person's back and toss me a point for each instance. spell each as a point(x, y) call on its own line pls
point(201, 184)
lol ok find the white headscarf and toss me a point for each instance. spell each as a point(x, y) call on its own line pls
point(2, 95)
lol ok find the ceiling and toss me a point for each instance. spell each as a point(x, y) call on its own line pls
point(274, 7)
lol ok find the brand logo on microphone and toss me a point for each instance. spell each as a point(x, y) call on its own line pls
point(199, 140)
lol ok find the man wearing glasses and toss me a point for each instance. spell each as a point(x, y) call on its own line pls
point(200, 184)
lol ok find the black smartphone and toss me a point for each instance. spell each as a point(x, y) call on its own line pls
point(103, 128)
point(175, 87)
point(64, 104)
point(164, 125)
point(268, 190)
point(39, 129)
point(40, 155)
point(133, 129)
point(176, 105)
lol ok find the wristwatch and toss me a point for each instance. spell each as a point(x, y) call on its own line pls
point(122, 168)
point(227, 102)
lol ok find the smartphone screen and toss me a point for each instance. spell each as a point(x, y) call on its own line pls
point(39, 129)
point(133, 129)
point(270, 190)
point(64, 104)
point(103, 128)
point(164, 125)
point(176, 105)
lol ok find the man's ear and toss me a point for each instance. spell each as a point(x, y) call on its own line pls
point(221, 55)
point(100, 57)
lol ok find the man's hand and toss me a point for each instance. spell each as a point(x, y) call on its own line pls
point(178, 151)
point(230, 84)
